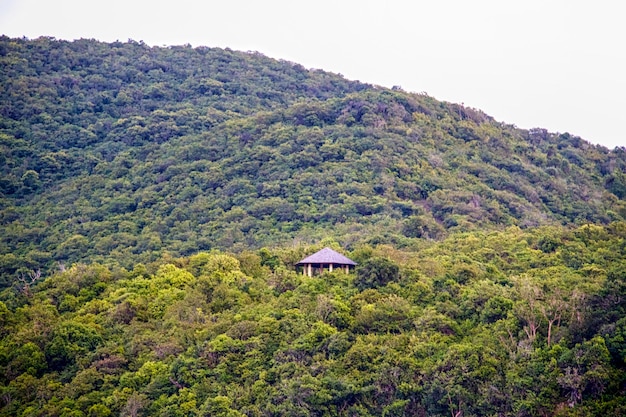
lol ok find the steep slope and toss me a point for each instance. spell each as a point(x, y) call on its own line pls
point(123, 152)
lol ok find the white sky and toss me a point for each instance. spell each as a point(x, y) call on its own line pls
point(556, 64)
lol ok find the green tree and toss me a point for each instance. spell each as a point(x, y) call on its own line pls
point(376, 272)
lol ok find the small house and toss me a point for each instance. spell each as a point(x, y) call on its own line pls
point(325, 259)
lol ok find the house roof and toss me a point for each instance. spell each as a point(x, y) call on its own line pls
point(326, 256)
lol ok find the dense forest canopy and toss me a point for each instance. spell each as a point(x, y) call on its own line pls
point(154, 201)
point(122, 152)
point(510, 323)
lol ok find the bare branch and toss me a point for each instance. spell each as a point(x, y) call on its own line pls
point(25, 281)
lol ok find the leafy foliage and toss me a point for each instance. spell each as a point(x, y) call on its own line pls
point(376, 272)
point(154, 202)
point(122, 153)
point(465, 327)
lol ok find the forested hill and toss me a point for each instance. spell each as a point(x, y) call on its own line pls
point(121, 152)
point(154, 201)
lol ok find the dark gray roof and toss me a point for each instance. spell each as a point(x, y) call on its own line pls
point(327, 256)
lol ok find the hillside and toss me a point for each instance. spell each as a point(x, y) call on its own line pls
point(124, 152)
point(154, 201)
point(513, 323)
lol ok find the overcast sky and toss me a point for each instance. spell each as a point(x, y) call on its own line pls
point(554, 64)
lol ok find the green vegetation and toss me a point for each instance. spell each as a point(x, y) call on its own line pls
point(154, 201)
point(481, 323)
point(121, 153)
